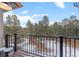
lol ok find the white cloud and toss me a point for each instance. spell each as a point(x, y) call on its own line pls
point(25, 12)
point(6, 14)
point(36, 15)
point(23, 19)
point(39, 15)
point(59, 4)
point(34, 19)
point(73, 13)
point(51, 23)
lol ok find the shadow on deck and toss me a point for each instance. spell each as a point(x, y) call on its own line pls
point(19, 53)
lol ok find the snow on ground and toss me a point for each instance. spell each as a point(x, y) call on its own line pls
point(54, 52)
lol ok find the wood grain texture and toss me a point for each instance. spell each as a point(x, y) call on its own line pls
point(4, 6)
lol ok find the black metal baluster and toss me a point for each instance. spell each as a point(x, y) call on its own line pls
point(35, 44)
point(25, 40)
point(65, 47)
point(46, 43)
point(49, 46)
point(53, 46)
point(52, 50)
point(74, 47)
point(19, 40)
point(6, 44)
point(11, 42)
point(27, 43)
point(30, 42)
point(32, 45)
point(61, 46)
point(35, 41)
point(56, 46)
point(70, 46)
point(45, 52)
point(38, 45)
point(42, 50)
point(42, 46)
point(15, 42)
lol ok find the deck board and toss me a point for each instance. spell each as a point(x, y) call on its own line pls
point(19, 53)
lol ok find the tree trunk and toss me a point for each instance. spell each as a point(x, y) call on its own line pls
point(1, 30)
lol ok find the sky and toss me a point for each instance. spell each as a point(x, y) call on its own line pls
point(34, 11)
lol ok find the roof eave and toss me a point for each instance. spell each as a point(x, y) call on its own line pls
point(18, 5)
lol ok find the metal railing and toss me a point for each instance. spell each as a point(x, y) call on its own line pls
point(48, 46)
point(39, 45)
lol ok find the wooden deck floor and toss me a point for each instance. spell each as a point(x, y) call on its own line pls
point(19, 53)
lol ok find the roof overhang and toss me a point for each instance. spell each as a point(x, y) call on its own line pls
point(7, 6)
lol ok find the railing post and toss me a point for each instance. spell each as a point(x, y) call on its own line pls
point(6, 44)
point(15, 42)
point(61, 46)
